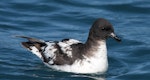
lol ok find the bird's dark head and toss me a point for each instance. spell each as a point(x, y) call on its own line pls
point(102, 29)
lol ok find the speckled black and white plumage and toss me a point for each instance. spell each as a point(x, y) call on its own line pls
point(71, 55)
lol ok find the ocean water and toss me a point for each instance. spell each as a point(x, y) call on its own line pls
point(58, 19)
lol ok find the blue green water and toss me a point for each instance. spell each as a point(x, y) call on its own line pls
point(58, 19)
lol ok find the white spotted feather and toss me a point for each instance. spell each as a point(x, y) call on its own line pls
point(50, 49)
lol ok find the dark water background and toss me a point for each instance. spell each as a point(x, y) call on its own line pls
point(58, 19)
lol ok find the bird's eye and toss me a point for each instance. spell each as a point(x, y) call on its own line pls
point(103, 28)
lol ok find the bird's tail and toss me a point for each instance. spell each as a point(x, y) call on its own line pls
point(35, 46)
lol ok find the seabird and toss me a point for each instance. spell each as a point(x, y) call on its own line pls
point(71, 55)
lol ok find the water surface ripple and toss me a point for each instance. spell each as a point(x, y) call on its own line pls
point(55, 20)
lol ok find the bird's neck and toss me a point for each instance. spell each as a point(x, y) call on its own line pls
point(96, 47)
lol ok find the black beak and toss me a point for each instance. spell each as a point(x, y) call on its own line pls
point(113, 35)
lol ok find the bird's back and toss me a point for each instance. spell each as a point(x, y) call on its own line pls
point(54, 52)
